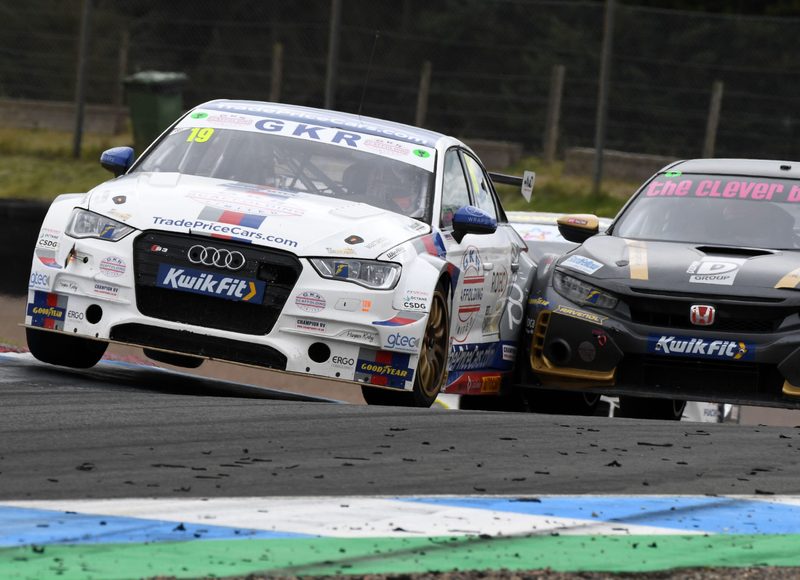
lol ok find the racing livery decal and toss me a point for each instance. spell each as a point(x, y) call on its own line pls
point(355, 335)
point(713, 270)
point(474, 382)
point(465, 357)
point(311, 325)
point(637, 257)
point(48, 310)
point(469, 301)
point(387, 369)
point(67, 285)
point(235, 218)
point(790, 280)
point(398, 341)
point(700, 347)
point(321, 131)
point(106, 289)
point(416, 300)
point(431, 244)
point(224, 232)
point(728, 189)
point(400, 320)
point(113, 266)
point(47, 246)
point(582, 264)
point(48, 260)
point(255, 204)
point(263, 190)
point(581, 314)
point(210, 284)
point(310, 301)
point(339, 361)
point(39, 280)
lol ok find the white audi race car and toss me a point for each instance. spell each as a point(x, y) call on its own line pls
point(304, 240)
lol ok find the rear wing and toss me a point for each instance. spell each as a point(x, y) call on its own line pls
point(525, 183)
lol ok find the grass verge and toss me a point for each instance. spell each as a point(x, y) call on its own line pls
point(556, 192)
point(38, 164)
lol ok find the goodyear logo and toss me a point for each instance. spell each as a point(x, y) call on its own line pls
point(381, 369)
point(538, 301)
point(47, 311)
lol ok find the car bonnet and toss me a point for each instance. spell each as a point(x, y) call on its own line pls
point(304, 224)
point(619, 264)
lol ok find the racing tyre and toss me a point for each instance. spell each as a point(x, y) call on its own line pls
point(644, 408)
point(65, 350)
point(432, 366)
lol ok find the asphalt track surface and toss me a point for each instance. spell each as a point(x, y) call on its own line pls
point(143, 434)
point(123, 431)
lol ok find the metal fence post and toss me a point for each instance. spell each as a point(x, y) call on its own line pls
point(80, 78)
point(602, 95)
point(424, 93)
point(553, 113)
point(333, 53)
point(122, 66)
point(277, 72)
point(713, 119)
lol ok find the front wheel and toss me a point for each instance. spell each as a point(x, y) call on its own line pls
point(646, 408)
point(432, 366)
point(64, 350)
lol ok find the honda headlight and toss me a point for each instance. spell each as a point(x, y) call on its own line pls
point(87, 224)
point(367, 273)
point(580, 292)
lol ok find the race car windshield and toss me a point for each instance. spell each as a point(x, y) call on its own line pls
point(756, 212)
point(296, 165)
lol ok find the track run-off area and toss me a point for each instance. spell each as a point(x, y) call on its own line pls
point(125, 471)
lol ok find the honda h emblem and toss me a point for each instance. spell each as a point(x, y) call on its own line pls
point(702, 314)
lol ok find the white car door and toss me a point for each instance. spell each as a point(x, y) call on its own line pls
point(483, 264)
point(496, 250)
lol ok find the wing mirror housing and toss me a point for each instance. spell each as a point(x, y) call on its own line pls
point(117, 160)
point(578, 228)
point(472, 220)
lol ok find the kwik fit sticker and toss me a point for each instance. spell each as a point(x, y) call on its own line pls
point(689, 346)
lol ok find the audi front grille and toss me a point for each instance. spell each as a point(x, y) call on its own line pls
point(278, 270)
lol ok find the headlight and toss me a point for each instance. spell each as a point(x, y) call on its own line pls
point(368, 273)
point(87, 224)
point(582, 293)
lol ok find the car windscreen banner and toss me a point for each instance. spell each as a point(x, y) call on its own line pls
point(202, 124)
point(740, 211)
point(724, 188)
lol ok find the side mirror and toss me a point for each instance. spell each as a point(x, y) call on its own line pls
point(117, 160)
point(472, 220)
point(578, 228)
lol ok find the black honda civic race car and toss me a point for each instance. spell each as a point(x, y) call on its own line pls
point(692, 293)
